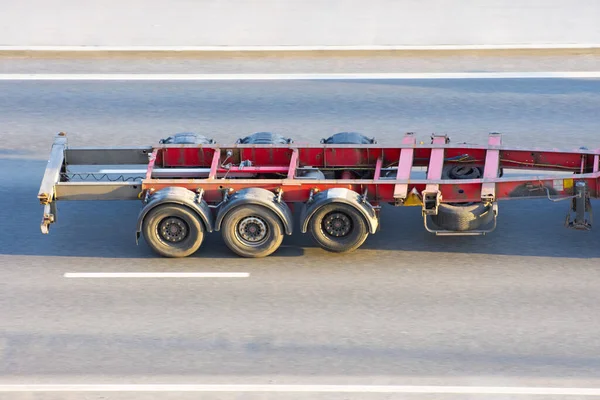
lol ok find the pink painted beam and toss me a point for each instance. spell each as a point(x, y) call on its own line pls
point(405, 164)
point(492, 166)
point(378, 169)
point(151, 164)
point(215, 164)
point(596, 163)
point(293, 164)
point(436, 164)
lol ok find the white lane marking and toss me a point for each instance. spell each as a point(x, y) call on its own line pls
point(156, 275)
point(555, 46)
point(306, 76)
point(306, 389)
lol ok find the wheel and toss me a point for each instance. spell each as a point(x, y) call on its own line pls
point(252, 231)
point(338, 228)
point(463, 217)
point(173, 230)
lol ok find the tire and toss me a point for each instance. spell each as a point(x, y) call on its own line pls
point(348, 138)
point(463, 217)
point(468, 171)
point(173, 230)
point(325, 234)
point(252, 231)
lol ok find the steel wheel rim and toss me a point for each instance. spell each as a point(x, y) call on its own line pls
point(337, 224)
point(252, 231)
point(173, 230)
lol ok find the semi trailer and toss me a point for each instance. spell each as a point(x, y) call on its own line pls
point(190, 186)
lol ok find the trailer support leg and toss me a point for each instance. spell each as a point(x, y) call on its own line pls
point(580, 205)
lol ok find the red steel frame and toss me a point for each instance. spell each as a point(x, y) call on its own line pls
point(280, 162)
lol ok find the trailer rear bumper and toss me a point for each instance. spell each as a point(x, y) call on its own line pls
point(51, 177)
point(56, 185)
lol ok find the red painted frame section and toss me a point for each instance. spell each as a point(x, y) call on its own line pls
point(278, 164)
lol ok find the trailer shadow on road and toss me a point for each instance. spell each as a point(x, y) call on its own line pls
point(107, 229)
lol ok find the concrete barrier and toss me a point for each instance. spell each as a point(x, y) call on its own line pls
point(237, 24)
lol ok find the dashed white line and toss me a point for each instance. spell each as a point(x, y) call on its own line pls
point(306, 389)
point(298, 76)
point(156, 275)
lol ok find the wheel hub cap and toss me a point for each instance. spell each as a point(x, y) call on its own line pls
point(173, 229)
point(337, 224)
point(252, 230)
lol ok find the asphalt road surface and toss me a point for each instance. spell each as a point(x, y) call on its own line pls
point(519, 307)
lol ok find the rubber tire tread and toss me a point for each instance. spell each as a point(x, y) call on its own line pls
point(173, 250)
point(447, 169)
point(462, 218)
point(275, 227)
point(347, 244)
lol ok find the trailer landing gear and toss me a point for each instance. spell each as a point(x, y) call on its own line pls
point(580, 205)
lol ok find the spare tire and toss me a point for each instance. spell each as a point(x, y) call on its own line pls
point(264, 138)
point(348, 138)
point(468, 171)
point(463, 217)
point(187, 138)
